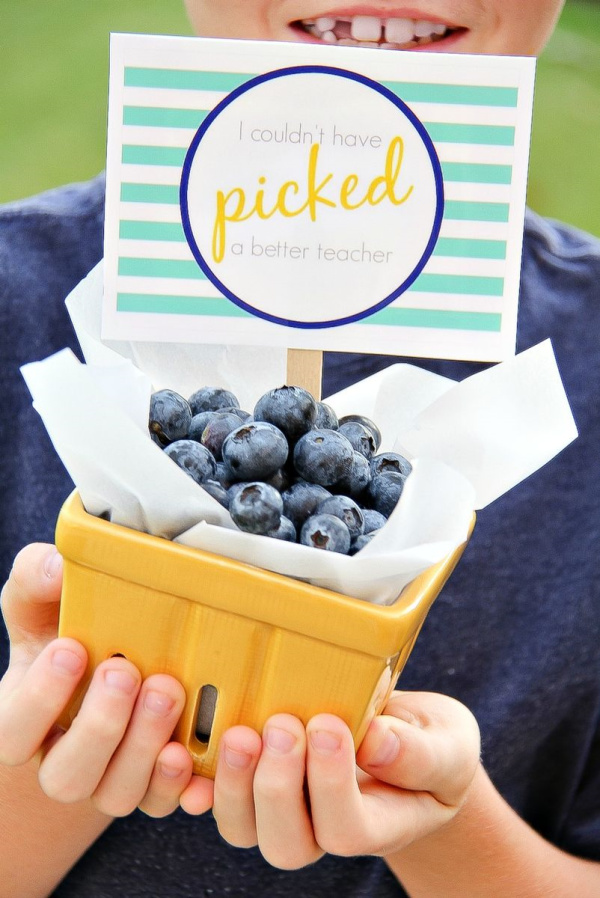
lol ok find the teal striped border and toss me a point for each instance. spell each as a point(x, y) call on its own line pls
point(187, 269)
point(184, 79)
point(463, 172)
point(460, 247)
point(454, 210)
point(416, 92)
point(204, 306)
point(440, 132)
point(179, 305)
point(163, 117)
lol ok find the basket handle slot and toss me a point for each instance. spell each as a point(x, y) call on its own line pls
point(207, 703)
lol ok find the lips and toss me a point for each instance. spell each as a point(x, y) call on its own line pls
point(373, 31)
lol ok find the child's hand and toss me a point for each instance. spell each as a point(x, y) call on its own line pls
point(417, 762)
point(117, 752)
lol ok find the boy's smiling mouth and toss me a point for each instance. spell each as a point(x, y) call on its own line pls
point(384, 32)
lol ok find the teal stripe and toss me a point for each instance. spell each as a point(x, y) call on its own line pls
point(151, 230)
point(446, 132)
point(458, 94)
point(461, 284)
point(437, 318)
point(150, 193)
point(477, 173)
point(204, 305)
point(141, 155)
point(462, 247)
point(178, 79)
point(160, 268)
point(158, 117)
point(446, 246)
point(179, 305)
point(462, 210)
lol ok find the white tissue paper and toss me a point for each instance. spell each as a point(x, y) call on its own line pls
point(469, 443)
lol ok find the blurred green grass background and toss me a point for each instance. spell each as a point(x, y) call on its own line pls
point(54, 72)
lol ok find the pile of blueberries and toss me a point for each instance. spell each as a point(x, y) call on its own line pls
point(290, 469)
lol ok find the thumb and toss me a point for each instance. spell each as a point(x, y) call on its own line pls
point(423, 743)
point(31, 595)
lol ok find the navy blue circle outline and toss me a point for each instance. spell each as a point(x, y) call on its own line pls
point(301, 70)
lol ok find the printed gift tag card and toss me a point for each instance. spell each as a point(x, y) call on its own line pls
point(310, 197)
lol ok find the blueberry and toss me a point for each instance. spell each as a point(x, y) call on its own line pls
point(374, 520)
point(280, 479)
point(361, 541)
point(286, 531)
point(346, 509)
point(360, 436)
point(301, 499)
point(255, 451)
point(256, 508)
point(323, 456)
point(291, 409)
point(385, 490)
point(218, 427)
point(217, 491)
point(193, 458)
point(326, 531)
point(242, 415)
point(390, 461)
point(326, 417)
point(212, 399)
point(357, 480)
point(235, 488)
point(366, 422)
point(170, 417)
point(198, 424)
point(223, 475)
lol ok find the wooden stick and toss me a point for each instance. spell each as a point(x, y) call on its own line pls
point(305, 369)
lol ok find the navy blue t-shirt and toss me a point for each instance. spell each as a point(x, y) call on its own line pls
point(515, 634)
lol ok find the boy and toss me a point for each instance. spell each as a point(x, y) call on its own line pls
point(518, 647)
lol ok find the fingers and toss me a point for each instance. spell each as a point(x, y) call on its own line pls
point(32, 697)
point(259, 792)
point(337, 806)
point(283, 823)
point(170, 777)
point(111, 749)
point(31, 595)
point(233, 808)
point(424, 742)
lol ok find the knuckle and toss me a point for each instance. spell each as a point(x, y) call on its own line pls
point(56, 787)
point(111, 806)
point(338, 844)
point(101, 726)
point(271, 789)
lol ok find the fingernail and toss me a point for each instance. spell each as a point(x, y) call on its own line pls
point(67, 662)
point(387, 750)
point(238, 760)
point(158, 703)
point(279, 740)
point(120, 681)
point(170, 772)
point(52, 563)
point(324, 742)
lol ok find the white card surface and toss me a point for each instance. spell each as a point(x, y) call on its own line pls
point(300, 196)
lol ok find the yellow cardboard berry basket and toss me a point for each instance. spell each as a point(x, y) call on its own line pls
point(244, 642)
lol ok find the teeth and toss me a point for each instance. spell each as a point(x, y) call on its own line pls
point(365, 28)
point(399, 31)
point(325, 23)
point(372, 31)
